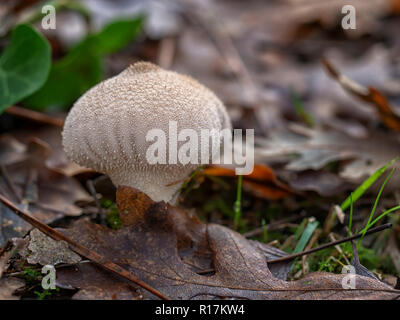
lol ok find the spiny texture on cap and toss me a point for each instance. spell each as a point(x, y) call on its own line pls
point(106, 128)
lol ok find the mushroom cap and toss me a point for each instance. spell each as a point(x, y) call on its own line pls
point(106, 128)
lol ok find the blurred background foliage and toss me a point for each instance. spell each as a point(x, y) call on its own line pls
point(316, 138)
point(29, 75)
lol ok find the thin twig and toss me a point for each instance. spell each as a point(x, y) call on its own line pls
point(34, 116)
point(80, 249)
point(330, 244)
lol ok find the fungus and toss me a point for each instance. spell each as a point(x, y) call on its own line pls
point(106, 128)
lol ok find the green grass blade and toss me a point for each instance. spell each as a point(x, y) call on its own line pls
point(351, 213)
point(238, 203)
point(376, 203)
point(305, 237)
point(379, 218)
point(300, 110)
point(365, 185)
point(300, 229)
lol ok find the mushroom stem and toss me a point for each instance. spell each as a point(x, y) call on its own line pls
point(159, 184)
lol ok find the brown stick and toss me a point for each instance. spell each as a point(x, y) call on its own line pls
point(35, 116)
point(78, 248)
point(330, 244)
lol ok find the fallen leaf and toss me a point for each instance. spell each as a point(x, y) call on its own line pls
point(315, 148)
point(323, 182)
point(95, 283)
point(279, 270)
point(359, 268)
point(157, 238)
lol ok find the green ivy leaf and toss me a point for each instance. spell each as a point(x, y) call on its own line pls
point(24, 65)
point(82, 68)
point(305, 237)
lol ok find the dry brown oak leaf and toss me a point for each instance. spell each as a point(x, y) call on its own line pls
point(167, 248)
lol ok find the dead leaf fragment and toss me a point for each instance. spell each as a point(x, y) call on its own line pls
point(95, 283)
point(315, 148)
point(46, 251)
point(323, 182)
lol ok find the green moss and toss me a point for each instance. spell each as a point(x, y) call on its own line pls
point(31, 276)
point(112, 215)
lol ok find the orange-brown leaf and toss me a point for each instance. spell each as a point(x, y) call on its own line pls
point(262, 182)
point(370, 95)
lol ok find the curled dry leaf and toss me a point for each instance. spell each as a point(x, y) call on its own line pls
point(168, 249)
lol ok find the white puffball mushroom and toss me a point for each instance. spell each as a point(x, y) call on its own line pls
point(106, 128)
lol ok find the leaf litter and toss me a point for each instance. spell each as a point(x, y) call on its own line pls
point(27, 180)
point(158, 241)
